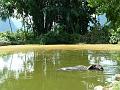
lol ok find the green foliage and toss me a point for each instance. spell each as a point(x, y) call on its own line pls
point(19, 37)
point(74, 14)
point(96, 36)
point(24, 35)
point(110, 7)
point(3, 40)
point(63, 38)
point(115, 36)
point(118, 32)
point(113, 39)
point(59, 36)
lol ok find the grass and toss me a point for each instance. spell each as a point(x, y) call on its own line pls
point(62, 47)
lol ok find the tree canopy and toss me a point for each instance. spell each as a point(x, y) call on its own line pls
point(71, 16)
point(74, 15)
point(110, 7)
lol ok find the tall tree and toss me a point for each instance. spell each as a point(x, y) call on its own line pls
point(73, 14)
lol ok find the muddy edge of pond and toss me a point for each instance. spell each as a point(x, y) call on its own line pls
point(62, 47)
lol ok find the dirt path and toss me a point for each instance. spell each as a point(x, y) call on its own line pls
point(63, 47)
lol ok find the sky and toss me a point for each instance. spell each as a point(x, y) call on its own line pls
point(102, 19)
point(17, 22)
point(5, 26)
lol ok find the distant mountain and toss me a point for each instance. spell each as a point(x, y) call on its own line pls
point(5, 26)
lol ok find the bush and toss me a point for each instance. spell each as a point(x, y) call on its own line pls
point(114, 38)
point(24, 35)
point(4, 40)
point(19, 37)
point(57, 35)
point(60, 38)
point(95, 37)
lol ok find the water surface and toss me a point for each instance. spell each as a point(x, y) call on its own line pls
point(37, 70)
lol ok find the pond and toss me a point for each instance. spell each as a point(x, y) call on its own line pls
point(37, 70)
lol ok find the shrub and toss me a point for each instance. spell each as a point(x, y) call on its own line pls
point(95, 36)
point(4, 40)
point(114, 38)
point(57, 35)
point(24, 35)
point(60, 38)
point(19, 37)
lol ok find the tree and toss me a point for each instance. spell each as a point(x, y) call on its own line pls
point(74, 15)
point(6, 11)
point(110, 7)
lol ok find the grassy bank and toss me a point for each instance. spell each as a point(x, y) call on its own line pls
point(63, 47)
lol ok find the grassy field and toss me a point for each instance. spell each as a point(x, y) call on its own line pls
point(63, 47)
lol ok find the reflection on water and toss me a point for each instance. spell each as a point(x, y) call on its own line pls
point(13, 65)
point(109, 63)
point(37, 70)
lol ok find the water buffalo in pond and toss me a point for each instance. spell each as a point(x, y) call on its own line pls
point(82, 67)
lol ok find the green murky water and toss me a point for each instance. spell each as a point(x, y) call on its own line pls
point(37, 70)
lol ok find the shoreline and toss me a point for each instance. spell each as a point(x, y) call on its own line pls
point(61, 47)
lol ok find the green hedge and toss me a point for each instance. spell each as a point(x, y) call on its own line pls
point(60, 38)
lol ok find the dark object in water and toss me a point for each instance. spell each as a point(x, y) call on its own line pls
point(82, 67)
point(95, 67)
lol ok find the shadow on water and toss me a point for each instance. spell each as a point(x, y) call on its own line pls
point(37, 70)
